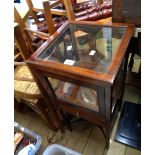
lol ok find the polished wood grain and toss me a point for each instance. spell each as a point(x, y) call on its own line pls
point(48, 17)
point(113, 68)
point(109, 91)
point(21, 44)
point(95, 77)
point(69, 9)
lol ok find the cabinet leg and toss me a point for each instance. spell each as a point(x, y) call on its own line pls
point(18, 106)
point(107, 145)
point(65, 121)
point(47, 119)
point(107, 137)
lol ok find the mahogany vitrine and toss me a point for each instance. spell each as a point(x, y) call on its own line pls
point(89, 61)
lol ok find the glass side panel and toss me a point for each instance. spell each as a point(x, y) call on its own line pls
point(75, 94)
point(85, 46)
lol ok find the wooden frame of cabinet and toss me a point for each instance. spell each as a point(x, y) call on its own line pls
point(109, 86)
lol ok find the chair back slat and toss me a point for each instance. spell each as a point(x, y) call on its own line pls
point(20, 42)
point(30, 5)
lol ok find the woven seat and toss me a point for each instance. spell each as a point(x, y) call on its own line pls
point(23, 73)
point(26, 89)
point(25, 86)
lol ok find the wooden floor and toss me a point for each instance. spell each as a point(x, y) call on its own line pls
point(85, 138)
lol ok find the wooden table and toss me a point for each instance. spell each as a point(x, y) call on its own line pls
point(89, 61)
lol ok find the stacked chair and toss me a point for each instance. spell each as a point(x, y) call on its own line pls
point(32, 37)
point(39, 18)
point(25, 88)
point(61, 10)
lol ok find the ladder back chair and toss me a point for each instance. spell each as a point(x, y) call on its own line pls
point(54, 23)
point(34, 10)
point(25, 87)
point(32, 37)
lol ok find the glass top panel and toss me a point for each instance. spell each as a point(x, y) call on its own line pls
point(86, 46)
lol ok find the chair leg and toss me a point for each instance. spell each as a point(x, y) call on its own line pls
point(45, 116)
point(106, 133)
point(66, 122)
point(17, 105)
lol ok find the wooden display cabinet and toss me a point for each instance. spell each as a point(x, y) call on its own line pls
point(89, 62)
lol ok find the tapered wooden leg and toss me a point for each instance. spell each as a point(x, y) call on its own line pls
point(107, 138)
point(124, 69)
point(17, 105)
point(106, 134)
point(48, 96)
point(65, 121)
point(45, 116)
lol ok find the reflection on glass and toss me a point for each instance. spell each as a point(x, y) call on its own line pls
point(90, 47)
point(74, 94)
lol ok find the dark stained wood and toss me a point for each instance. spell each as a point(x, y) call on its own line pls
point(98, 79)
point(117, 24)
point(103, 83)
point(70, 70)
point(17, 106)
point(128, 11)
point(113, 68)
point(48, 99)
point(75, 110)
point(107, 112)
point(101, 101)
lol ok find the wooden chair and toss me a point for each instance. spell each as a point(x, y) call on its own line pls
point(49, 10)
point(33, 10)
point(32, 37)
point(71, 14)
point(52, 26)
point(48, 7)
point(25, 87)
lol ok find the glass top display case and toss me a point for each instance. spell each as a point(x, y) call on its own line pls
point(81, 69)
point(91, 47)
